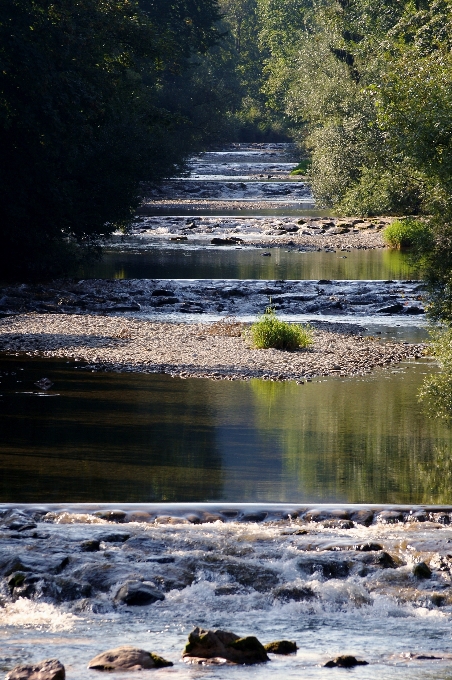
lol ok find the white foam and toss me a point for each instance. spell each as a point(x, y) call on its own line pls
point(27, 614)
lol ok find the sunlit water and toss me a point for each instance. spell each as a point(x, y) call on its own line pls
point(145, 258)
point(134, 437)
point(237, 575)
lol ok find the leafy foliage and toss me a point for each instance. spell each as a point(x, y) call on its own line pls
point(269, 331)
point(407, 233)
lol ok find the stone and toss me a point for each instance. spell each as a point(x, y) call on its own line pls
point(221, 644)
point(162, 292)
point(325, 565)
point(391, 309)
point(127, 658)
point(295, 593)
point(369, 547)
point(422, 570)
point(111, 515)
point(390, 516)
point(345, 662)
point(365, 517)
point(91, 545)
point(114, 537)
point(281, 647)
point(44, 384)
point(231, 240)
point(254, 517)
point(136, 593)
point(49, 669)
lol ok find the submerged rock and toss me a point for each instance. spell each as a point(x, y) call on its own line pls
point(292, 592)
point(127, 658)
point(221, 644)
point(138, 593)
point(345, 662)
point(49, 669)
point(281, 647)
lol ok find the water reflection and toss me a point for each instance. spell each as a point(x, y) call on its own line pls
point(359, 439)
point(106, 437)
point(130, 437)
point(182, 262)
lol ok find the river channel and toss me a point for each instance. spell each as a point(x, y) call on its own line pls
point(254, 549)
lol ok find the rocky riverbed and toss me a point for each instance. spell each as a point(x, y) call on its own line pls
point(218, 350)
point(153, 297)
point(305, 232)
point(373, 581)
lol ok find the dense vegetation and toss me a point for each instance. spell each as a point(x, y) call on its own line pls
point(97, 95)
point(83, 117)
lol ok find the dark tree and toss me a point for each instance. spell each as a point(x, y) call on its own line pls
point(80, 119)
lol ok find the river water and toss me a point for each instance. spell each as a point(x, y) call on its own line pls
point(136, 258)
point(241, 564)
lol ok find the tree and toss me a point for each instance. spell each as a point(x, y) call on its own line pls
point(80, 119)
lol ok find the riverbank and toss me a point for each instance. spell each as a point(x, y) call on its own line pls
point(199, 350)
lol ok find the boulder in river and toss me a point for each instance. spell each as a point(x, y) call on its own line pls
point(49, 669)
point(111, 515)
point(127, 658)
point(345, 661)
point(138, 593)
point(281, 647)
point(222, 644)
point(230, 240)
point(422, 570)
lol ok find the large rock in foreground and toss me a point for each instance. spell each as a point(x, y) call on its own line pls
point(221, 644)
point(127, 658)
point(49, 669)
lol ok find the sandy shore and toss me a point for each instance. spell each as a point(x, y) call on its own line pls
point(194, 350)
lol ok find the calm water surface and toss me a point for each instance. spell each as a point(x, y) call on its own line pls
point(134, 437)
point(142, 259)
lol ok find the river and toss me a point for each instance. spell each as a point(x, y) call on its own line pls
point(219, 489)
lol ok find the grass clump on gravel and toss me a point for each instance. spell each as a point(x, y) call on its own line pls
point(405, 233)
point(270, 332)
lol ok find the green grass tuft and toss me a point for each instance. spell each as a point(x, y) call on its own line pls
point(406, 233)
point(270, 332)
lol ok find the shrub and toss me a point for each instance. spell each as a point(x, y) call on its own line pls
point(406, 233)
point(268, 331)
point(302, 168)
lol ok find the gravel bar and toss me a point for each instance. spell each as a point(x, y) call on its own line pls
point(192, 350)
